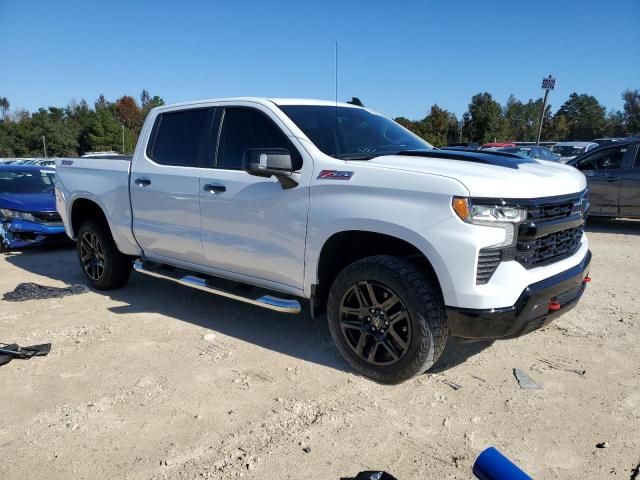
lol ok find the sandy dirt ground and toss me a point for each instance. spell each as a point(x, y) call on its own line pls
point(159, 381)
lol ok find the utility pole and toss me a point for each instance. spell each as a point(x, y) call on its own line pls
point(123, 152)
point(548, 84)
point(460, 126)
point(44, 146)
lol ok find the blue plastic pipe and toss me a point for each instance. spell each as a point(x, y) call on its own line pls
point(492, 465)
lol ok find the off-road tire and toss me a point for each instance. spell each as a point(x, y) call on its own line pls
point(423, 302)
point(117, 266)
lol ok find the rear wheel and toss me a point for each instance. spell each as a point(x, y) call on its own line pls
point(102, 263)
point(387, 318)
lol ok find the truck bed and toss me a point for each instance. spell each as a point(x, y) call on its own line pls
point(104, 181)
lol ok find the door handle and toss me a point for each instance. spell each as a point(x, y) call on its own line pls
point(214, 188)
point(611, 179)
point(142, 182)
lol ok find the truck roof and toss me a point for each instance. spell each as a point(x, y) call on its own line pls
point(263, 100)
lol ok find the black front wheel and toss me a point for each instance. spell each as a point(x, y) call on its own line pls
point(387, 318)
point(102, 263)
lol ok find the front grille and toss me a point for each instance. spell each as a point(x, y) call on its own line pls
point(551, 211)
point(562, 215)
point(550, 248)
point(488, 261)
point(47, 217)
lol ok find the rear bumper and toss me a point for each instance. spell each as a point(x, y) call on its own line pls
point(22, 233)
point(530, 312)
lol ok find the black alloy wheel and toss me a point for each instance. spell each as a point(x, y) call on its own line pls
point(375, 323)
point(103, 265)
point(387, 318)
point(92, 256)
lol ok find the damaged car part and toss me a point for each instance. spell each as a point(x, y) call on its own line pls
point(10, 351)
point(28, 215)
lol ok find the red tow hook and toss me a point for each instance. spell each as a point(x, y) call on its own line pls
point(586, 280)
point(554, 305)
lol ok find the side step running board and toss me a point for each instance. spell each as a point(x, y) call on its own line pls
point(192, 280)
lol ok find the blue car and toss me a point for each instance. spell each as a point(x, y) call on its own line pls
point(28, 215)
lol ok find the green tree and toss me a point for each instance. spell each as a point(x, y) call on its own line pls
point(54, 125)
point(437, 126)
point(104, 132)
point(631, 100)
point(4, 106)
point(80, 116)
point(585, 117)
point(7, 139)
point(412, 125)
point(101, 102)
point(148, 102)
point(615, 124)
point(522, 120)
point(486, 118)
point(559, 128)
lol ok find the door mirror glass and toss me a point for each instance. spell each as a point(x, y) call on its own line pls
point(267, 162)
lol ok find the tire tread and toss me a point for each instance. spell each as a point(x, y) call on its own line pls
point(117, 265)
point(426, 297)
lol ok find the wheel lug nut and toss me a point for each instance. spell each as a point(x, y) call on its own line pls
point(373, 329)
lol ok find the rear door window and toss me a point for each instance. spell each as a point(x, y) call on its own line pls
point(178, 138)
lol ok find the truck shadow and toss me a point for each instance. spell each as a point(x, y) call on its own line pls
point(294, 335)
point(610, 225)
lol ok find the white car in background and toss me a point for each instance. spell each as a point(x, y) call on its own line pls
point(570, 150)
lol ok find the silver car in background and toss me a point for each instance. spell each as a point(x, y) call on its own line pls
point(570, 150)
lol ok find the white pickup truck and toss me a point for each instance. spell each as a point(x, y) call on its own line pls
point(402, 245)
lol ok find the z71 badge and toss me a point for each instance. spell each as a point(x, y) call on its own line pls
point(335, 174)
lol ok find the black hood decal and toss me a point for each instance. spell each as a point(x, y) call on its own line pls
point(499, 159)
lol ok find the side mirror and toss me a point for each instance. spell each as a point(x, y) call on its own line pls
point(268, 162)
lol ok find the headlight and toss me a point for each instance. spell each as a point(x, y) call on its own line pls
point(11, 214)
point(490, 215)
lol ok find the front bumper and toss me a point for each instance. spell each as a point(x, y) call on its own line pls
point(23, 233)
point(530, 312)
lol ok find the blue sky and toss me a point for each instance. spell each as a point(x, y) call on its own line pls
point(399, 57)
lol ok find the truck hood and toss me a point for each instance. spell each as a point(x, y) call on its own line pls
point(29, 202)
point(487, 175)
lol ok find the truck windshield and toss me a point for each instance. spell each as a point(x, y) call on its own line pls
point(352, 133)
point(26, 181)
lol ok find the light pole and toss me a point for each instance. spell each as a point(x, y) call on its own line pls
point(44, 146)
point(548, 83)
point(460, 125)
point(123, 152)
